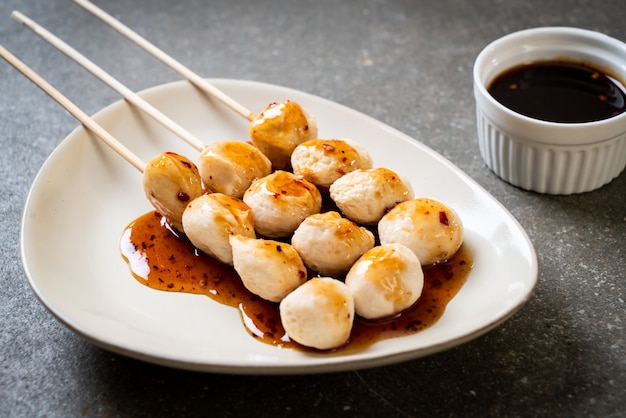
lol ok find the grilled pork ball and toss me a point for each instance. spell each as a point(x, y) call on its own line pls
point(230, 167)
point(280, 202)
point(329, 243)
point(365, 195)
point(385, 281)
point(279, 129)
point(170, 182)
point(211, 219)
point(319, 314)
point(269, 269)
point(322, 161)
point(429, 228)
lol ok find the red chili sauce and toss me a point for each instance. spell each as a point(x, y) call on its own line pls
point(162, 259)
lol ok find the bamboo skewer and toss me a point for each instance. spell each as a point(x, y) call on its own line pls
point(109, 80)
point(166, 59)
point(74, 110)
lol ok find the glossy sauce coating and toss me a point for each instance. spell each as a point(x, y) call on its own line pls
point(279, 129)
point(161, 259)
point(284, 183)
point(170, 182)
point(322, 161)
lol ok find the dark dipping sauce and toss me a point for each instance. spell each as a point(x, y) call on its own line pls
point(559, 91)
point(162, 259)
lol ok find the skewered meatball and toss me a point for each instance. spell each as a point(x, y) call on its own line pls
point(280, 202)
point(170, 182)
point(269, 269)
point(322, 161)
point(210, 220)
point(429, 228)
point(319, 314)
point(385, 281)
point(365, 195)
point(279, 129)
point(230, 167)
point(330, 244)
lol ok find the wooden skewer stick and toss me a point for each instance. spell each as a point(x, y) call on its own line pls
point(74, 110)
point(109, 80)
point(167, 59)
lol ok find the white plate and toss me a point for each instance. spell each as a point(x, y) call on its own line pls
point(85, 195)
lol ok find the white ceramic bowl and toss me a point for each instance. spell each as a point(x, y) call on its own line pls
point(549, 157)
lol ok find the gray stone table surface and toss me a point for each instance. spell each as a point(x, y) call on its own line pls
point(406, 63)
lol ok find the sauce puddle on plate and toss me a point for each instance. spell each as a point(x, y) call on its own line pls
point(160, 258)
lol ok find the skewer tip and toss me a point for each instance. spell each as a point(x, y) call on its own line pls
point(17, 16)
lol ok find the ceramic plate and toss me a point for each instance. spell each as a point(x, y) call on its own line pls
point(85, 195)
